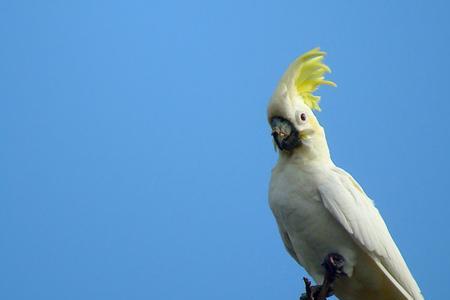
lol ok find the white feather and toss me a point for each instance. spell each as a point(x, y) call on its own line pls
point(348, 203)
point(320, 209)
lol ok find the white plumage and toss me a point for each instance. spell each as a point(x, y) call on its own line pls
point(321, 209)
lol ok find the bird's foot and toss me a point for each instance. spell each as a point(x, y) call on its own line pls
point(334, 266)
point(312, 291)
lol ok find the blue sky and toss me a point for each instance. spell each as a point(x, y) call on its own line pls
point(136, 157)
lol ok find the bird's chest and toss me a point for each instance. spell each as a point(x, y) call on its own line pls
point(297, 206)
point(294, 198)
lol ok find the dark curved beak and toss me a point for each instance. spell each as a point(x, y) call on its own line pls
point(285, 142)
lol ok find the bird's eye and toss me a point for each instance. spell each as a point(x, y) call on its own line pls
point(300, 117)
point(303, 117)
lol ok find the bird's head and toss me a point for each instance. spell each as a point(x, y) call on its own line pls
point(294, 125)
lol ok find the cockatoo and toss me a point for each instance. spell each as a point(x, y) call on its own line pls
point(322, 213)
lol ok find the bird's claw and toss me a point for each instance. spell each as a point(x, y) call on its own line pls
point(312, 291)
point(308, 295)
point(334, 268)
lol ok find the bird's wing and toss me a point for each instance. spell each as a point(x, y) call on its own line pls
point(347, 202)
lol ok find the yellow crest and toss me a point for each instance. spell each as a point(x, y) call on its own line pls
point(310, 73)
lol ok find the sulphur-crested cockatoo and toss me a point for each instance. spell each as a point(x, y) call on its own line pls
point(319, 208)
